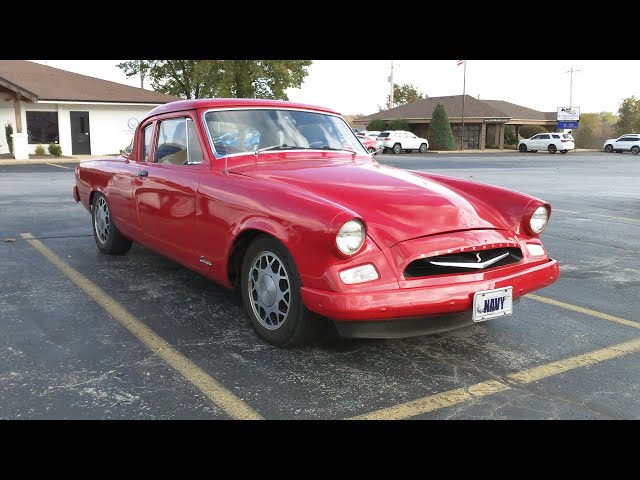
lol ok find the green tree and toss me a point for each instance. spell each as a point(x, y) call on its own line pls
point(8, 131)
point(399, 124)
point(594, 129)
point(377, 124)
point(528, 131)
point(440, 133)
point(629, 116)
point(403, 94)
point(221, 78)
point(510, 137)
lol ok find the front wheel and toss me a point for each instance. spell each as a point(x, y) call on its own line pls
point(270, 288)
point(107, 236)
point(423, 148)
point(635, 149)
point(608, 148)
point(522, 147)
point(397, 148)
point(552, 148)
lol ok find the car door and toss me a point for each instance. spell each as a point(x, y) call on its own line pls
point(533, 142)
point(544, 139)
point(620, 143)
point(165, 191)
point(413, 141)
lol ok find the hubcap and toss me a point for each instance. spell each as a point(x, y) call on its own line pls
point(102, 220)
point(269, 290)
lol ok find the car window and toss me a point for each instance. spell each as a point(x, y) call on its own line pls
point(535, 137)
point(146, 147)
point(555, 136)
point(567, 136)
point(544, 137)
point(178, 143)
point(384, 135)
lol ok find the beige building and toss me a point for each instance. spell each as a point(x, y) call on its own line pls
point(484, 120)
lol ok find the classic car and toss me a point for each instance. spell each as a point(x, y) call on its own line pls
point(371, 144)
point(310, 227)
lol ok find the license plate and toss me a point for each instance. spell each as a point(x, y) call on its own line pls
point(492, 304)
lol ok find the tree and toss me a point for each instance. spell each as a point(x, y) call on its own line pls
point(221, 78)
point(629, 116)
point(377, 124)
point(528, 131)
point(510, 137)
point(399, 124)
point(594, 129)
point(403, 94)
point(440, 133)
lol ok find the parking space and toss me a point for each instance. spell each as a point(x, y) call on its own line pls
point(85, 335)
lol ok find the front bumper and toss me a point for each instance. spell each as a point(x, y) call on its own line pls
point(426, 302)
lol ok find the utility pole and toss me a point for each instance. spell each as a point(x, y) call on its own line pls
point(141, 74)
point(572, 71)
point(391, 80)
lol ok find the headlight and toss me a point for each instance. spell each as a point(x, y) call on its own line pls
point(350, 237)
point(539, 219)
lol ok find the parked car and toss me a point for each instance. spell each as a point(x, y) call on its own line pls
point(373, 133)
point(371, 144)
point(625, 143)
point(309, 227)
point(399, 140)
point(551, 142)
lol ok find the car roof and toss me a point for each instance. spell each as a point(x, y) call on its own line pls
point(181, 105)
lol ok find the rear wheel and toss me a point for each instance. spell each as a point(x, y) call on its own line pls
point(635, 149)
point(423, 148)
point(552, 148)
point(397, 148)
point(608, 148)
point(522, 147)
point(270, 288)
point(107, 236)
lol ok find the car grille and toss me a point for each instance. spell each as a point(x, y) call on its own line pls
point(423, 267)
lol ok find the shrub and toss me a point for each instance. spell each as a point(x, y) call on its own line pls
point(40, 150)
point(377, 125)
point(528, 131)
point(8, 131)
point(399, 124)
point(440, 133)
point(55, 149)
point(510, 137)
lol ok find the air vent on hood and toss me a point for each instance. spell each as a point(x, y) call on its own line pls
point(463, 262)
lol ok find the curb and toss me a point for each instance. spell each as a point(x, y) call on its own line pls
point(36, 161)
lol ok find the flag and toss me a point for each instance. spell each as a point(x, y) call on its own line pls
point(460, 62)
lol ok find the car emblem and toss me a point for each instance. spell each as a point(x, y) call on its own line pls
point(478, 257)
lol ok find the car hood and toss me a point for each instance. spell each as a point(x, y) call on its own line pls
point(395, 204)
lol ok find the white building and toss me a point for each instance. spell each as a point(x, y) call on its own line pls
point(84, 115)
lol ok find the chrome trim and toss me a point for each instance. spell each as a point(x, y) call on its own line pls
point(477, 266)
point(219, 157)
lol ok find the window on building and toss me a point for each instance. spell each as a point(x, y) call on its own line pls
point(471, 136)
point(42, 127)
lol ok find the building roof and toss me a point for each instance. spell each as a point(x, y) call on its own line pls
point(473, 108)
point(37, 82)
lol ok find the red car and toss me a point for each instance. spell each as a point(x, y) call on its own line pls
point(371, 144)
point(282, 201)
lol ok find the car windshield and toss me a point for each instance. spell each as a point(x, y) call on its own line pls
point(384, 135)
point(235, 132)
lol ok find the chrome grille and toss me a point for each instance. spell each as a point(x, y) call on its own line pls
point(424, 267)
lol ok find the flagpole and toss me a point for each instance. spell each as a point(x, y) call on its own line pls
point(464, 86)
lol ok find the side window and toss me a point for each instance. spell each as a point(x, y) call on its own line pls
point(146, 148)
point(537, 137)
point(544, 137)
point(555, 136)
point(178, 143)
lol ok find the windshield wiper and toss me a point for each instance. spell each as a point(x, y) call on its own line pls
point(284, 146)
point(339, 150)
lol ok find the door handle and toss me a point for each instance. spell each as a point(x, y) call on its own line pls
point(143, 173)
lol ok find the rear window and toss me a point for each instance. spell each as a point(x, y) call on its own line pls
point(384, 134)
point(567, 136)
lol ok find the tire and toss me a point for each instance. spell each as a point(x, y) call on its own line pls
point(423, 148)
point(563, 151)
point(552, 149)
point(635, 149)
point(397, 148)
point(288, 323)
point(608, 148)
point(107, 236)
point(371, 150)
point(522, 148)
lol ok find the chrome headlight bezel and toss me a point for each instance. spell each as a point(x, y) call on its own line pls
point(539, 220)
point(351, 237)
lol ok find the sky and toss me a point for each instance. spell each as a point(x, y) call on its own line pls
point(361, 87)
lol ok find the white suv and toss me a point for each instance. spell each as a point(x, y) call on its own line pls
point(399, 140)
point(552, 142)
point(629, 142)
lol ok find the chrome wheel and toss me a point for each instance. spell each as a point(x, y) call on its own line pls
point(269, 290)
point(102, 220)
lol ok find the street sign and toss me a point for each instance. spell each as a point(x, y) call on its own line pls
point(567, 125)
point(568, 114)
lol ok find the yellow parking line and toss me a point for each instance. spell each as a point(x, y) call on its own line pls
point(586, 311)
point(483, 389)
point(59, 166)
point(216, 392)
point(597, 215)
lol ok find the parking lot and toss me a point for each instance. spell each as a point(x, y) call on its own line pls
point(89, 336)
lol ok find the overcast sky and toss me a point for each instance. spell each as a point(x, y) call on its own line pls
point(360, 86)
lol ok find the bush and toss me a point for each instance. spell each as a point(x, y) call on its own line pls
point(440, 135)
point(377, 125)
point(8, 131)
point(55, 149)
point(528, 131)
point(40, 150)
point(399, 124)
point(510, 137)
